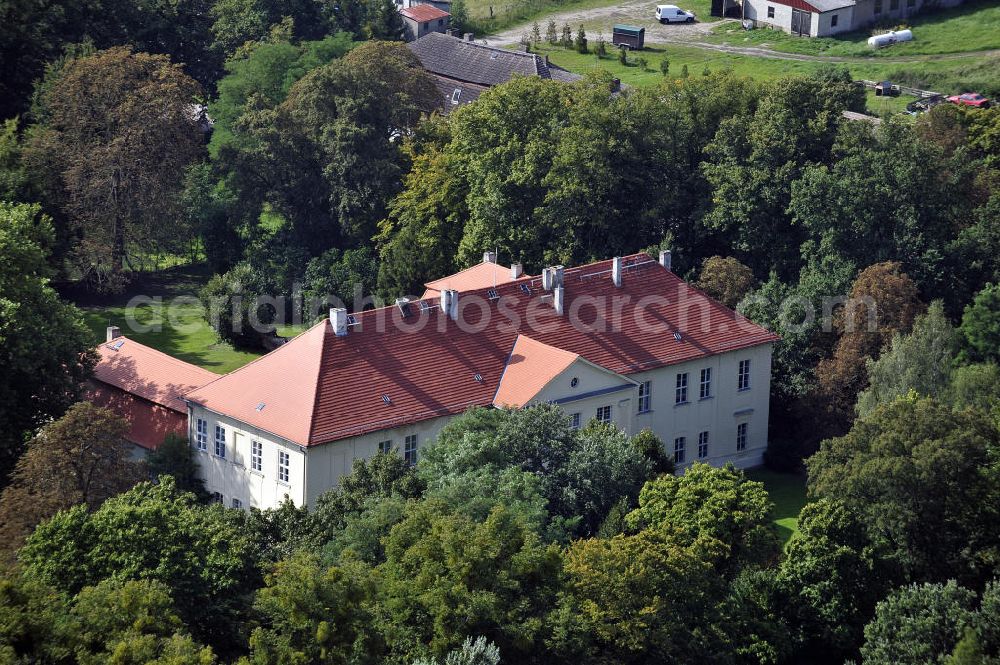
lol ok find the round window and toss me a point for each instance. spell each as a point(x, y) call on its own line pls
point(573, 382)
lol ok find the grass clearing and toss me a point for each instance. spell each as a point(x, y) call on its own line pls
point(972, 27)
point(956, 75)
point(788, 492)
point(490, 16)
point(168, 317)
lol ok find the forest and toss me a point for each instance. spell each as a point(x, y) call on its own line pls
point(294, 150)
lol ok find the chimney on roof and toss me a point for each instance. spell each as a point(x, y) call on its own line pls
point(469, 37)
point(113, 332)
point(489, 257)
point(665, 259)
point(557, 276)
point(338, 320)
point(616, 270)
point(516, 270)
point(558, 297)
point(547, 279)
point(449, 303)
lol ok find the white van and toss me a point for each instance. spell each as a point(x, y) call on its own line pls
point(673, 14)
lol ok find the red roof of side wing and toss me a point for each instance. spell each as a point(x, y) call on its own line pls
point(423, 13)
point(391, 370)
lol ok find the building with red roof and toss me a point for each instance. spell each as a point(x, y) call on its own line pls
point(144, 386)
point(423, 19)
point(624, 341)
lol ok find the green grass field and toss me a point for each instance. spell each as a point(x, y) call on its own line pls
point(974, 26)
point(490, 16)
point(170, 320)
point(788, 492)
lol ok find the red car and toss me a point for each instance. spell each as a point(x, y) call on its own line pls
point(970, 99)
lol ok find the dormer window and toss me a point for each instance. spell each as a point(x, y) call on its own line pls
point(455, 96)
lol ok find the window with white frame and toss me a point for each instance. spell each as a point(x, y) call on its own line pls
point(603, 414)
point(645, 392)
point(237, 503)
point(680, 443)
point(410, 449)
point(220, 441)
point(770, 11)
point(705, 387)
point(681, 394)
point(574, 421)
point(256, 455)
point(284, 462)
point(385, 446)
point(743, 375)
point(741, 436)
point(201, 434)
point(702, 445)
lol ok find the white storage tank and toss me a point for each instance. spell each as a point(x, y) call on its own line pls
point(890, 38)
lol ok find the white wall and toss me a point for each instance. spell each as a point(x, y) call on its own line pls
point(317, 469)
point(232, 477)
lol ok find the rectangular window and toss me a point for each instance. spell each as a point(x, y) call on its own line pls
point(217, 498)
point(681, 394)
point(911, 3)
point(603, 414)
point(893, 5)
point(741, 436)
point(201, 435)
point(237, 503)
point(645, 391)
point(410, 449)
point(770, 12)
point(284, 461)
point(574, 421)
point(679, 445)
point(385, 446)
point(256, 456)
point(703, 445)
point(878, 6)
point(705, 389)
point(220, 441)
point(743, 376)
point(833, 21)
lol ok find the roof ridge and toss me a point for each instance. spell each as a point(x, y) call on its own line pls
point(463, 270)
point(315, 399)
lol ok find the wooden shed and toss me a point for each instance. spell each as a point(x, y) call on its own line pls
point(628, 36)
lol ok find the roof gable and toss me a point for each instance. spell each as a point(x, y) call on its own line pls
point(480, 276)
point(530, 367)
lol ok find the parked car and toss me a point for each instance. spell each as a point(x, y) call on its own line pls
point(970, 99)
point(673, 14)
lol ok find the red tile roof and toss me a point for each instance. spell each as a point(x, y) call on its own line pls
point(480, 276)
point(530, 367)
point(423, 13)
point(389, 371)
point(152, 375)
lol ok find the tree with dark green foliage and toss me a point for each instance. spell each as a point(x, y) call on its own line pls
point(919, 624)
point(338, 278)
point(980, 327)
point(536, 34)
point(155, 532)
point(830, 580)
point(551, 36)
point(311, 613)
point(566, 40)
point(665, 65)
point(447, 577)
point(580, 43)
point(175, 458)
point(623, 57)
point(580, 475)
point(384, 21)
point(45, 348)
point(924, 480)
point(207, 204)
point(459, 16)
point(239, 305)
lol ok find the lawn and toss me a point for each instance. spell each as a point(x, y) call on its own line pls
point(974, 26)
point(491, 16)
point(788, 492)
point(972, 73)
point(169, 319)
